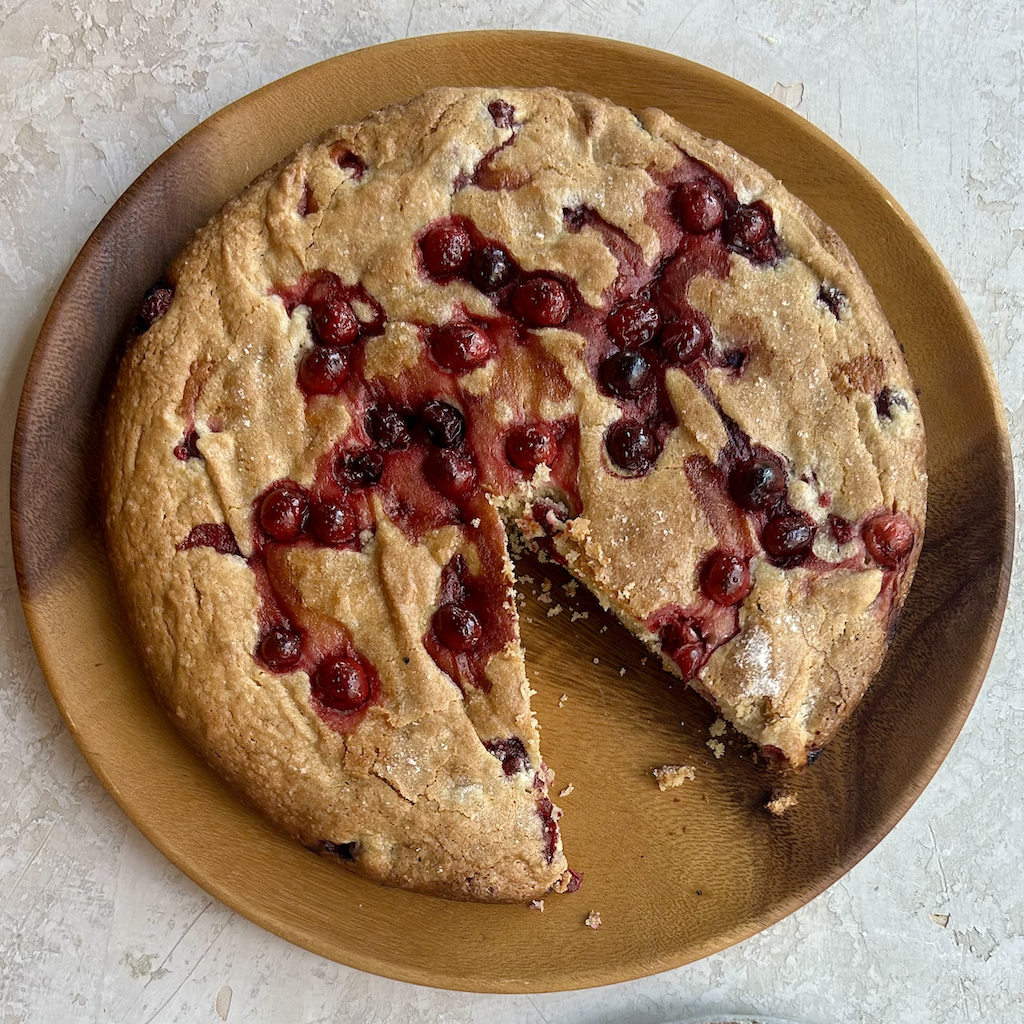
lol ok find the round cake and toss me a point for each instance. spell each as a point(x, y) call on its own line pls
point(484, 314)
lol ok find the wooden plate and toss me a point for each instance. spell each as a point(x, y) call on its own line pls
point(675, 875)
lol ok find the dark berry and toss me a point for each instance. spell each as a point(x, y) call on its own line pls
point(511, 753)
point(155, 304)
point(631, 446)
point(842, 529)
point(283, 513)
point(683, 340)
point(889, 399)
point(756, 484)
point(889, 539)
point(323, 370)
point(748, 226)
point(541, 302)
point(457, 628)
point(446, 250)
point(188, 447)
point(530, 445)
point(698, 207)
point(363, 468)
point(332, 523)
point(502, 112)
point(491, 268)
point(451, 472)
point(339, 683)
point(626, 374)
point(334, 323)
point(444, 424)
point(387, 427)
point(280, 648)
point(725, 578)
point(787, 538)
point(634, 322)
point(460, 348)
point(832, 298)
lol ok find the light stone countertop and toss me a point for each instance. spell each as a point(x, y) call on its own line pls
point(95, 925)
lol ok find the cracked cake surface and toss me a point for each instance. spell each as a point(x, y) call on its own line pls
point(490, 310)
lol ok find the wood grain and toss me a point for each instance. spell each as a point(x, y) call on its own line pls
point(675, 875)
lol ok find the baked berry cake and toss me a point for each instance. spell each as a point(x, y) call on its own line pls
point(483, 311)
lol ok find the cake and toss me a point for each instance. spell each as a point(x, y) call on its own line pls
point(481, 314)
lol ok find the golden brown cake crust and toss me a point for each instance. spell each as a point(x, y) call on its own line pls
point(435, 781)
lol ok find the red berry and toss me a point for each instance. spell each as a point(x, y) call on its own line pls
point(756, 484)
point(332, 523)
point(725, 578)
point(155, 304)
point(387, 427)
point(682, 642)
point(748, 226)
point(323, 370)
point(280, 648)
point(362, 468)
point(446, 250)
point(787, 538)
point(188, 447)
point(334, 323)
point(698, 207)
point(324, 288)
point(530, 445)
point(339, 683)
point(457, 628)
point(635, 322)
point(626, 374)
point(631, 446)
point(683, 340)
point(541, 302)
point(889, 539)
point(444, 424)
point(451, 472)
point(283, 513)
point(460, 348)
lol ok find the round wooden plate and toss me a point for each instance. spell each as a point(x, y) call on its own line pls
point(675, 875)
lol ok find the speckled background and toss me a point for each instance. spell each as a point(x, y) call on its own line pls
point(96, 926)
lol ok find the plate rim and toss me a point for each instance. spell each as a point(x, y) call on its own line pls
point(249, 907)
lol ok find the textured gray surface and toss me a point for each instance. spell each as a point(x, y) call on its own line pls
point(96, 926)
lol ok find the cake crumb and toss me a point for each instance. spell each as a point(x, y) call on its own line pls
point(546, 585)
point(604, 629)
point(543, 598)
point(671, 775)
point(475, 523)
point(597, 661)
point(781, 801)
point(593, 920)
point(579, 615)
point(940, 919)
point(570, 588)
point(568, 789)
point(537, 905)
point(562, 700)
point(717, 747)
point(622, 671)
point(717, 727)
point(557, 610)
point(643, 661)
